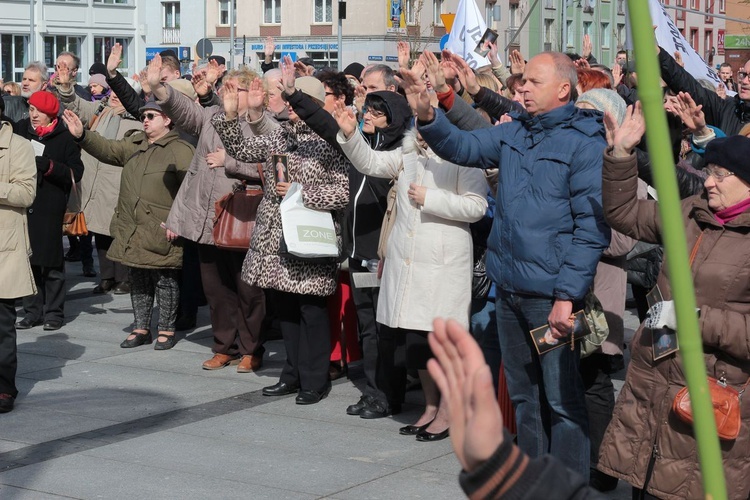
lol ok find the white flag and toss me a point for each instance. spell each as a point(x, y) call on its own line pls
point(670, 39)
point(468, 28)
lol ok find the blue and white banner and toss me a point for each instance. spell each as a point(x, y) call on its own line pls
point(468, 28)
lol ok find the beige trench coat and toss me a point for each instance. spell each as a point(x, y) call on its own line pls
point(17, 192)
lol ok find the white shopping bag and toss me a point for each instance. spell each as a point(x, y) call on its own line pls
point(308, 233)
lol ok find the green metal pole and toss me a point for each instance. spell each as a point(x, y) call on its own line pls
point(675, 249)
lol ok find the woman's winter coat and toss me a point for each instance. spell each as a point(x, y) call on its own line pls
point(644, 427)
point(17, 191)
point(60, 158)
point(428, 266)
point(320, 169)
point(193, 211)
point(100, 185)
point(151, 177)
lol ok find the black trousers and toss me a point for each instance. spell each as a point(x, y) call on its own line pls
point(366, 303)
point(48, 303)
point(306, 332)
point(596, 371)
point(191, 288)
point(237, 309)
point(109, 269)
point(391, 375)
point(8, 349)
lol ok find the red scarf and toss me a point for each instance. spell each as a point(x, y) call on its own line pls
point(731, 213)
point(43, 130)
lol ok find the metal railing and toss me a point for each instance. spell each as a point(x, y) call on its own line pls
point(170, 35)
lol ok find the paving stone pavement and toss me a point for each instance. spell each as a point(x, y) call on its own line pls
point(96, 421)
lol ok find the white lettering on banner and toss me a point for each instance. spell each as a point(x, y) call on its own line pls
point(468, 28)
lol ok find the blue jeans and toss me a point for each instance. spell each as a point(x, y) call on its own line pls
point(547, 391)
point(483, 325)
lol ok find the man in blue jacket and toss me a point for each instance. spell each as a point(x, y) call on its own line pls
point(547, 237)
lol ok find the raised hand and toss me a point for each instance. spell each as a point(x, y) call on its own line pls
point(616, 74)
point(114, 59)
point(624, 137)
point(143, 78)
point(582, 63)
point(404, 54)
point(214, 71)
point(690, 113)
point(416, 91)
point(288, 75)
point(466, 75)
point(346, 119)
point(153, 72)
point(517, 63)
point(492, 54)
point(269, 48)
point(256, 95)
point(434, 71)
point(587, 47)
point(465, 382)
point(63, 77)
point(230, 100)
point(201, 86)
point(75, 127)
point(360, 93)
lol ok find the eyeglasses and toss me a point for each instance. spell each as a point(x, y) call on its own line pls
point(150, 116)
point(330, 93)
point(373, 113)
point(718, 175)
point(741, 75)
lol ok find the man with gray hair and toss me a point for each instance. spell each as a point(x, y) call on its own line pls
point(35, 78)
point(72, 62)
point(546, 240)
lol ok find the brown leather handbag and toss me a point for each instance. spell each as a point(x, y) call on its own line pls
point(74, 222)
point(235, 216)
point(726, 402)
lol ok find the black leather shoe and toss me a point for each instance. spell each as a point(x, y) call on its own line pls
point(357, 407)
point(6, 403)
point(139, 339)
point(163, 345)
point(310, 397)
point(89, 272)
point(280, 389)
point(27, 323)
point(413, 430)
point(121, 289)
point(429, 436)
point(186, 322)
point(52, 325)
point(376, 409)
point(103, 287)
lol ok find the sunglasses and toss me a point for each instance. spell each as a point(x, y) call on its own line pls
point(150, 116)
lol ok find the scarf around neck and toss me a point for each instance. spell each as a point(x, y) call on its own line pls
point(43, 130)
point(731, 213)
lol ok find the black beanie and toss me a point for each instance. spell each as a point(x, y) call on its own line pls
point(731, 153)
point(98, 68)
point(354, 69)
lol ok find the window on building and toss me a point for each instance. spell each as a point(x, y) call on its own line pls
point(411, 11)
point(569, 34)
point(272, 11)
point(710, 10)
point(620, 34)
point(171, 14)
point(13, 56)
point(549, 4)
point(694, 39)
point(621, 6)
point(224, 12)
point(489, 14)
point(606, 36)
point(323, 11)
point(103, 46)
point(117, 2)
point(437, 9)
point(549, 33)
point(513, 16)
point(587, 28)
point(53, 45)
point(722, 6)
point(695, 4)
point(680, 14)
point(708, 43)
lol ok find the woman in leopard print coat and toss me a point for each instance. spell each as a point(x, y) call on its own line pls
point(303, 286)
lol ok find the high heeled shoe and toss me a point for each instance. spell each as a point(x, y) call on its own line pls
point(425, 436)
point(139, 339)
point(413, 430)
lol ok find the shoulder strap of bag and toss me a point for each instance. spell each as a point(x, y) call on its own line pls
point(694, 252)
point(76, 195)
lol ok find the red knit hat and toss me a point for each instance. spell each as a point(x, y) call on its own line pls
point(45, 102)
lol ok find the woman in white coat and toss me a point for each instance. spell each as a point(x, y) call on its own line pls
point(427, 270)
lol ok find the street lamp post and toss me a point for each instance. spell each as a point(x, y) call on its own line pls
point(32, 37)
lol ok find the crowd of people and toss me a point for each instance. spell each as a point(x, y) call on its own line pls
point(506, 198)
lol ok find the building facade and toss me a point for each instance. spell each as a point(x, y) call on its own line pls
point(87, 28)
point(734, 44)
